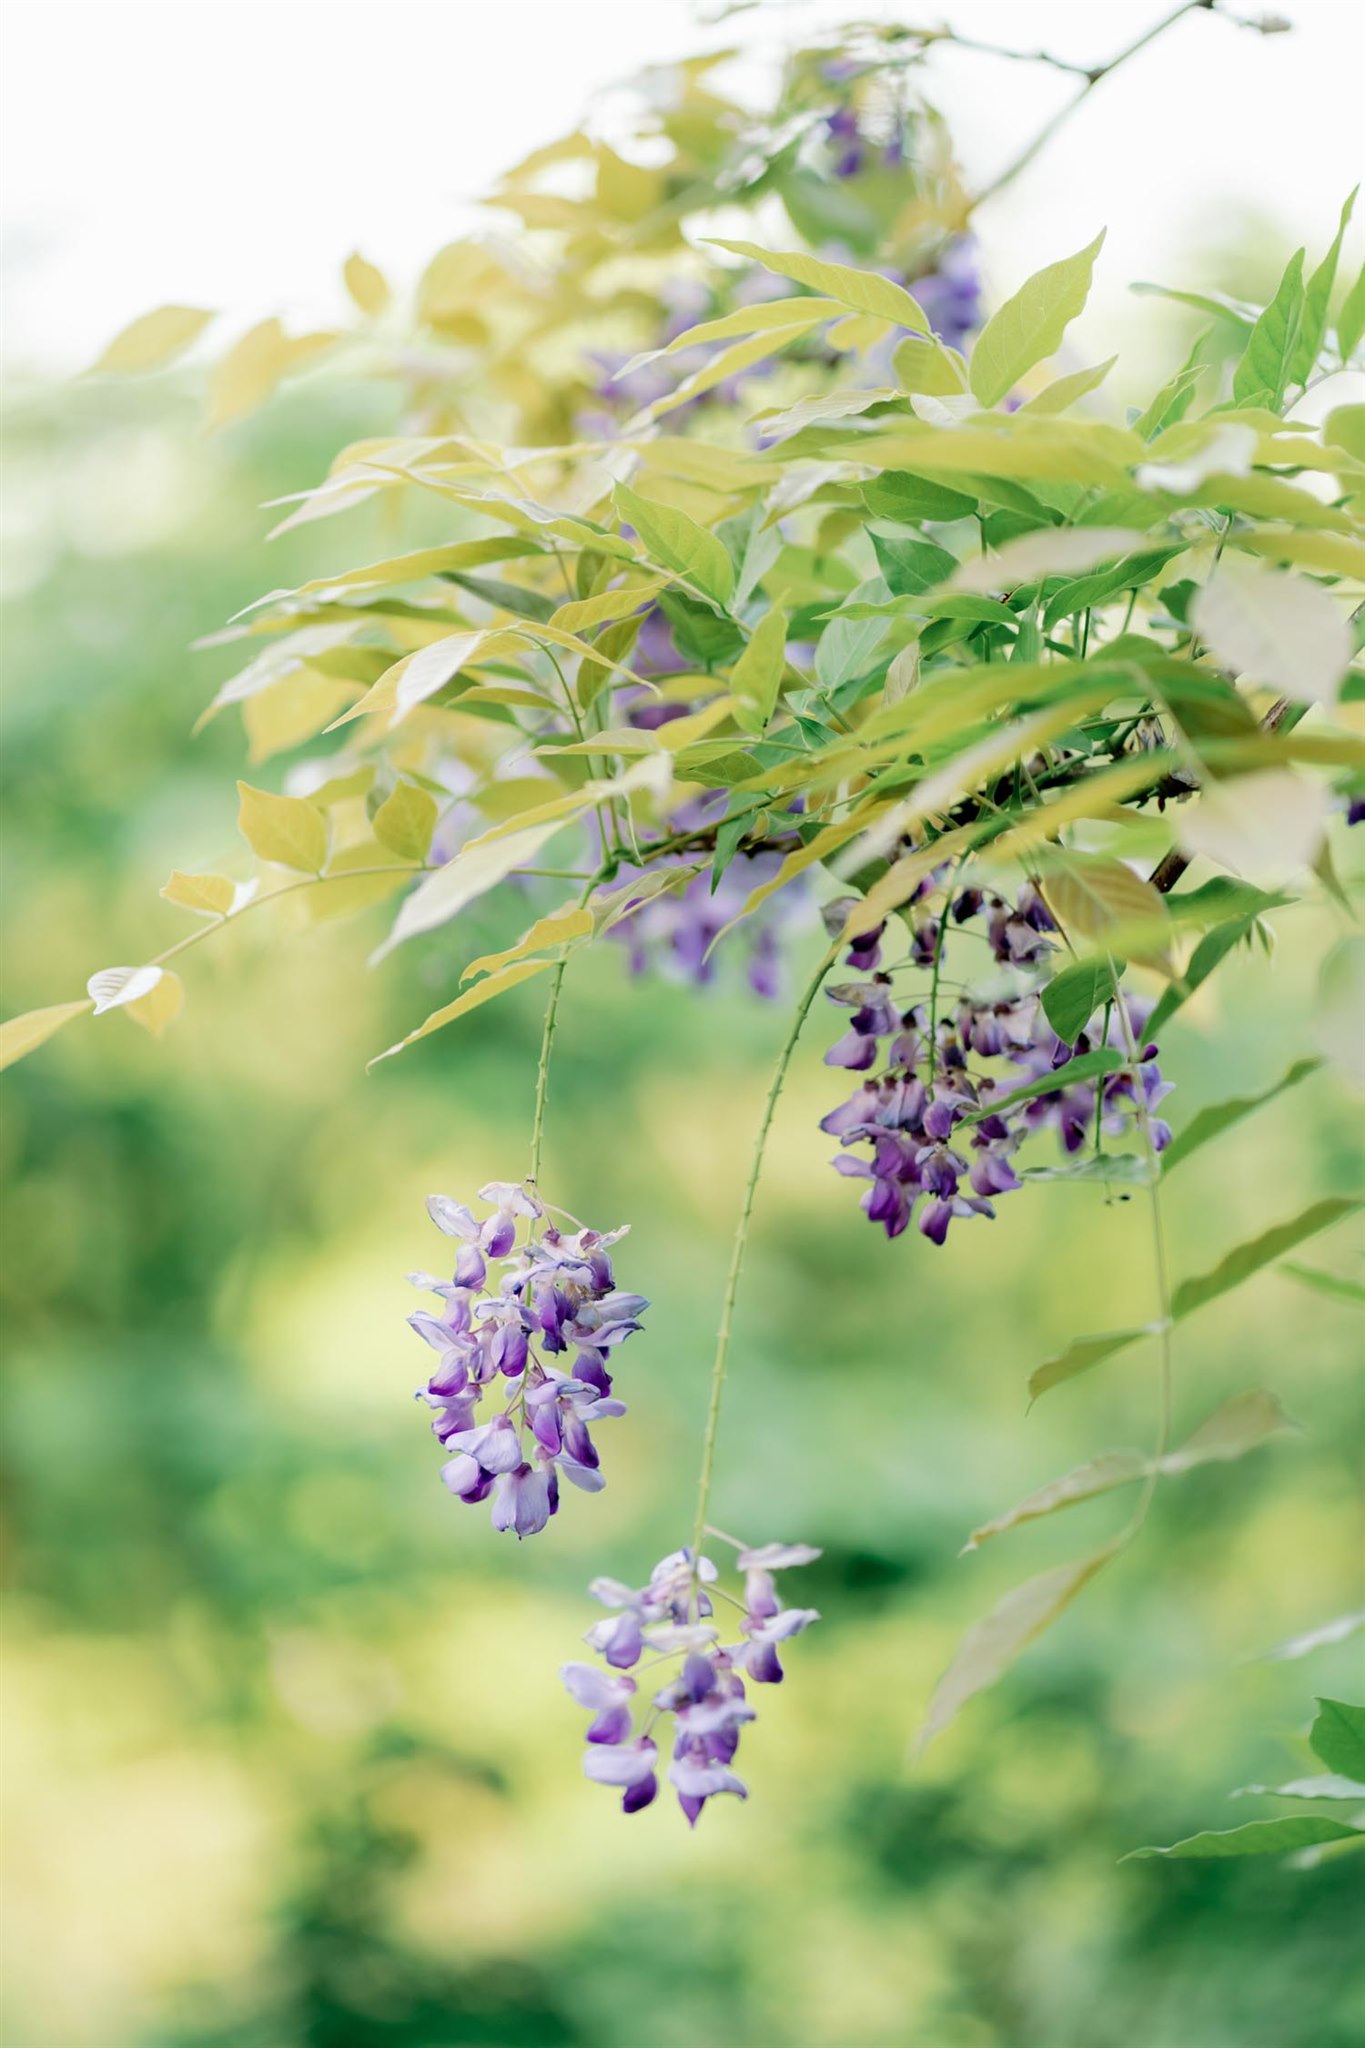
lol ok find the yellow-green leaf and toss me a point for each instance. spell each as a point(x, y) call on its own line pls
point(161, 1005)
point(1053, 551)
point(20, 1035)
point(1030, 326)
point(757, 675)
point(925, 365)
point(863, 291)
point(482, 992)
point(112, 987)
point(209, 895)
point(283, 829)
point(1064, 391)
point(1103, 899)
point(152, 340)
point(366, 284)
point(557, 928)
point(406, 820)
point(679, 543)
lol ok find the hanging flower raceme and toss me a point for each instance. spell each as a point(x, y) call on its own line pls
point(937, 1148)
point(695, 1716)
point(511, 1421)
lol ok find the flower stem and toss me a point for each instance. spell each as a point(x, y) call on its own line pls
point(547, 1039)
point(708, 1453)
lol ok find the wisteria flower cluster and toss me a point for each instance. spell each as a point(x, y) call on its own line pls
point(556, 1296)
point(927, 1112)
point(706, 1698)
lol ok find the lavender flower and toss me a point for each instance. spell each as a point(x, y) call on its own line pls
point(706, 1696)
point(950, 293)
point(557, 1294)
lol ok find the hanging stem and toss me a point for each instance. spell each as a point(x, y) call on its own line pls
point(708, 1452)
point(1163, 1284)
point(547, 1039)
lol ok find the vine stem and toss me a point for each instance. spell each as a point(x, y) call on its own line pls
point(1163, 1284)
point(741, 1239)
point(1090, 79)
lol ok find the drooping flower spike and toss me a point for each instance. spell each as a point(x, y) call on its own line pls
point(556, 1295)
point(937, 1150)
point(703, 1702)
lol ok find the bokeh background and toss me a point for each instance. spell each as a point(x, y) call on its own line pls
point(286, 1758)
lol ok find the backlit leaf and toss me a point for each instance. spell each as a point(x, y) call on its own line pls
point(475, 869)
point(152, 340)
point(679, 543)
point(1269, 355)
point(1317, 298)
point(757, 675)
point(1030, 326)
point(283, 829)
point(1056, 551)
point(161, 1005)
point(861, 290)
point(1331, 1284)
point(482, 992)
point(1064, 391)
point(112, 987)
point(1081, 1355)
point(406, 820)
point(210, 895)
point(21, 1035)
point(366, 284)
point(557, 928)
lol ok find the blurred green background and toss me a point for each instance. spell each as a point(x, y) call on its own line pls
point(287, 1757)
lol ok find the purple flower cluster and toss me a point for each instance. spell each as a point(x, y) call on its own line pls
point(673, 1616)
point(678, 930)
point(950, 293)
point(556, 1295)
point(937, 1148)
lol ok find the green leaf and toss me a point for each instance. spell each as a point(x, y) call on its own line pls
point(1221, 1116)
point(848, 646)
point(757, 675)
point(862, 290)
point(679, 543)
point(991, 1645)
point(1317, 298)
point(1268, 359)
point(1030, 326)
point(1331, 1786)
point(910, 566)
point(1239, 1265)
point(283, 829)
point(1259, 1838)
point(21, 1035)
point(406, 820)
point(1337, 1737)
point(1081, 1355)
point(1055, 551)
point(1098, 1475)
point(507, 597)
point(1212, 948)
point(1331, 1284)
point(1216, 303)
point(899, 494)
point(1072, 997)
point(1105, 1059)
point(1351, 318)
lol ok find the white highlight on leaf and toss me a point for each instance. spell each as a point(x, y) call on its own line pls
point(1275, 628)
point(114, 986)
point(1229, 451)
point(1264, 827)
